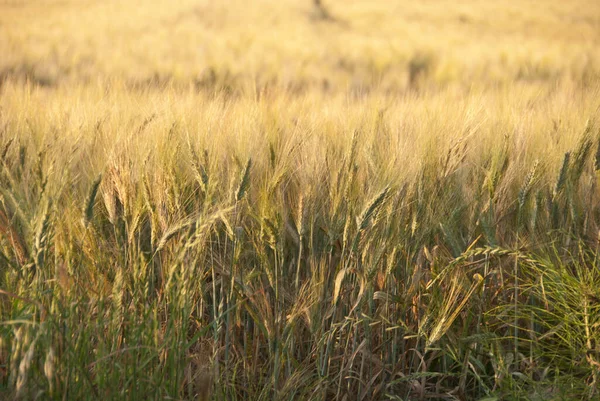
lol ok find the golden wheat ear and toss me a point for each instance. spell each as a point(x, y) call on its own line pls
point(14, 238)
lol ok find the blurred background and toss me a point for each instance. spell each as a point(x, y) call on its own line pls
point(327, 45)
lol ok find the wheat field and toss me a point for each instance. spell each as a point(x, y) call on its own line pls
point(299, 200)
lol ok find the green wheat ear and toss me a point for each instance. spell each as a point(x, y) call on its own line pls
point(88, 211)
point(366, 215)
point(526, 187)
point(200, 170)
point(597, 156)
point(562, 176)
point(581, 155)
point(244, 182)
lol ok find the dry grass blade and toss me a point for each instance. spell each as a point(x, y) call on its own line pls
point(453, 304)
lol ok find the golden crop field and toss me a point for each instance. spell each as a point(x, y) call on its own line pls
point(299, 200)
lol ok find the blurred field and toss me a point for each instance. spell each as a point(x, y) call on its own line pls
point(281, 200)
point(363, 45)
